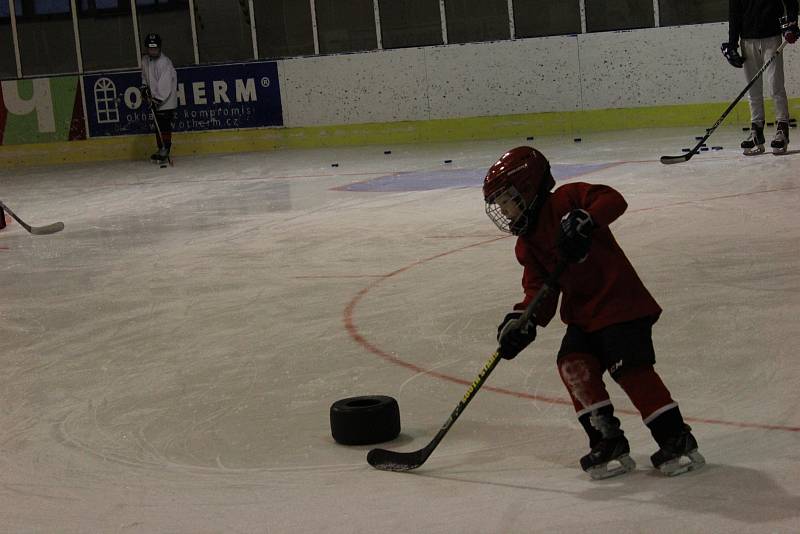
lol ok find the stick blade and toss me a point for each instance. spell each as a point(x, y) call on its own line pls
point(669, 160)
point(396, 461)
point(47, 230)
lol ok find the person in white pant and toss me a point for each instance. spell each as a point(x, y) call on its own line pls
point(762, 25)
point(159, 88)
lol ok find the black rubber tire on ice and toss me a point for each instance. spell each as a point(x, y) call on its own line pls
point(365, 420)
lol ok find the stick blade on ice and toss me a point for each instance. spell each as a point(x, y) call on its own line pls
point(49, 229)
point(396, 461)
point(669, 160)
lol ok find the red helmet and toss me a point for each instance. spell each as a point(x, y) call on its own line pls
point(513, 185)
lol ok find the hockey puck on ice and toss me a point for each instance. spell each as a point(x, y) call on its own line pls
point(387, 152)
point(577, 139)
point(716, 148)
point(365, 420)
point(745, 129)
point(698, 138)
point(334, 165)
point(686, 150)
point(530, 138)
point(448, 161)
point(704, 149)
point(770, 124)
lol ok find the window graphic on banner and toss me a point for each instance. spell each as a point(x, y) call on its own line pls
point(221, 97)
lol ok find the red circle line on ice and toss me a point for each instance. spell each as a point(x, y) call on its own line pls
point(352, 328)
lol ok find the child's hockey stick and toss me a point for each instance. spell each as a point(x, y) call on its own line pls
point(35, 230)
point(406, 461)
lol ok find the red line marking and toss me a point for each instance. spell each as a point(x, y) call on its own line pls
point(364, 181)
point(337, 276)
point(710, 199)
point(466, 236)
point(354, 333)
point(345, 187)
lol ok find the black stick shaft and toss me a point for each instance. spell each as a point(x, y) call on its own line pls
point(399, 461)
point(16, 217)
point(544, 293)
point(155, 121)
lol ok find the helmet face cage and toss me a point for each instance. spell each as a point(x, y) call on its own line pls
point(508, 210)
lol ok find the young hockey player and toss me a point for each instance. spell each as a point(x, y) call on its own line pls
point(159, 89)
point(608, 311)
point(762, 25)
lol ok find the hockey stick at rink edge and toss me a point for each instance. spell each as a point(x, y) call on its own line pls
point(406, 461)
point(151, 105)
point(35, 230)
point(668, 160)
point(158, 129)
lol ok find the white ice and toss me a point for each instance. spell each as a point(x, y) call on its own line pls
point(169, 359)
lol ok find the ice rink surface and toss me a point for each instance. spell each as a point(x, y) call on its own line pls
point(169, 359)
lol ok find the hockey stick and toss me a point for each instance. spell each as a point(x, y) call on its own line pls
point(406, 461)
point(668, 160)
point(35, 230)
point(158, 129)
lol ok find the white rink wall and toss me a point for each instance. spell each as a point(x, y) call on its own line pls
point(648, 67)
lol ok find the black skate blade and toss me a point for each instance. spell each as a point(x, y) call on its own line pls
point(755, 151)
point(620, 466)
point(692, 461)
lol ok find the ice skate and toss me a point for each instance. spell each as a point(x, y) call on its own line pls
point(610, 456)
point(780, 143)
point(678, 454)
point(154, 157)
point(754, 144)
point(162, 157)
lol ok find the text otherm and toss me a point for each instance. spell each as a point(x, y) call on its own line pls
point(219, 92)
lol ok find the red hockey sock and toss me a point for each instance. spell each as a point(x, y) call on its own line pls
point(582, 374)
point(647, 392)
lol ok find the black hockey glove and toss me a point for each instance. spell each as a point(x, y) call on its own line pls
point(146, 94)
point(790, 30)
point(575, 236)
point(514, 335)
point(731, 53)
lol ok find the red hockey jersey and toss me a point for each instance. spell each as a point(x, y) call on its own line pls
point(605, 288)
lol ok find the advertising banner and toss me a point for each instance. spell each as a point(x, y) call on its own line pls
point(41, 110)
point(217, 97)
